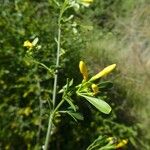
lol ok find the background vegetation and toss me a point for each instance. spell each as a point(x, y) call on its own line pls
point(111, 31)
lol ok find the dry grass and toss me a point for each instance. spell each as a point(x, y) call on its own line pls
point(130, 50)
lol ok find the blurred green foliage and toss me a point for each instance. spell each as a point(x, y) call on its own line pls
point(123, 38)
point(25, 86)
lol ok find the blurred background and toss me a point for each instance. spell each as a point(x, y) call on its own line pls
point(112, 31)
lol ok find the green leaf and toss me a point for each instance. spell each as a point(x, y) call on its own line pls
point(70, 103)
point(98, 103)
point(75, 116)
point(66, 86)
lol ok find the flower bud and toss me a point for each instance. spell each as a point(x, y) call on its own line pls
point(95, 88)
point(83, 70)
point(104, 72)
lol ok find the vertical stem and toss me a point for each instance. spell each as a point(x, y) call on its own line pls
point(55, 79)
point(48, 132)
point(64, 6)
point(48, 135)
point(57, 65)
point(54, 90)
point(54, 87)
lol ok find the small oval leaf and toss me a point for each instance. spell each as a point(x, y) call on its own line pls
point(98, 103)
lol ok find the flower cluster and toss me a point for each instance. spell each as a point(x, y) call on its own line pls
point(31, 45)
point(104, 72)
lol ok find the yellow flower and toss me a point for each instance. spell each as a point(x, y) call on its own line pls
point(121, 144)
point(104, 72)
point(86, 3)
point(25, 111)
point(110, 139)
point(83, 70)
point(7, 147)
point(95, 88)
point(28, 44)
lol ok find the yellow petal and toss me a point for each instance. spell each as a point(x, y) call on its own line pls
point(28, 44)
point(121, 144)
point(83, 70)
point(110, 138)
point(27, 111)
point(104, 72)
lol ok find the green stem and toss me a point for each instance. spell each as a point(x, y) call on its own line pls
point(44, 66)
point(107, 148)
point(54, 93)
point(57, 65)
point(58, 52)
point(48, 132)
point(48, 135)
